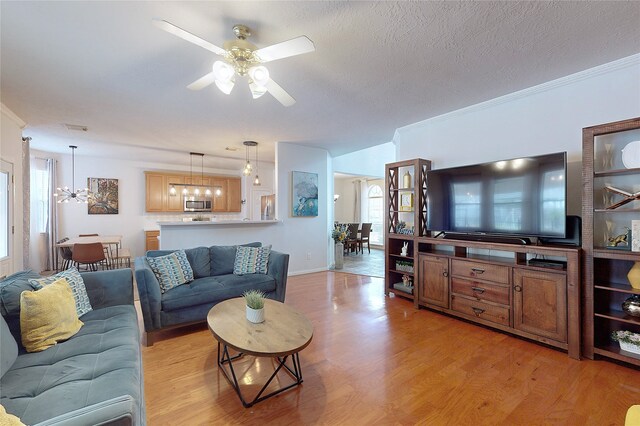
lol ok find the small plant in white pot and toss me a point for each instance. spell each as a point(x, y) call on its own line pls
point(628, 340)
point(255, 305)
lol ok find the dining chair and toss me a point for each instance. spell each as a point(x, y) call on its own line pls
point(107, 249)
point(92, 255)
point(364, 237)
point(122, 259)
point(352, 238)
point(65, 253)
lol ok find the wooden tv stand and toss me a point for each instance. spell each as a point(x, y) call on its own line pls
point(496, 285)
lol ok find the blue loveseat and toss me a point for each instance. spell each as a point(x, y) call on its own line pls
point(214, 282)
point(95, 377)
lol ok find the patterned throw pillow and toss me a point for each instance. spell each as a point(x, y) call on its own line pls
point(171, 270)
point(251, 260)
point(73, 277)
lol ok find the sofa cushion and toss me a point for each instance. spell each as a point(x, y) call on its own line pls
point(10, 290)
point(101, 362)
point(214, 289)
point(223, 258)
point(75, 281)
point(8, 347)
point(251, 260)
point(171, 270)
point(198, 259)
point(48, 316)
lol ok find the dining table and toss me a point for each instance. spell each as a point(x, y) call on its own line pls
point(109, 241)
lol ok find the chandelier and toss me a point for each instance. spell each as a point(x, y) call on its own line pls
point(187, 188)
point(64, 195)
point(248, 168)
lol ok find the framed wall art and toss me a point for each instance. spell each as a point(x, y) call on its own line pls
point(103, 196)
point(304, 194)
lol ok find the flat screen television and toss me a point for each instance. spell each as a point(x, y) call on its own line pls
point(521, 197)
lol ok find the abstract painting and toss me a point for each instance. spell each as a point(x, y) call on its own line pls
point(103, 196)
point(304, 194)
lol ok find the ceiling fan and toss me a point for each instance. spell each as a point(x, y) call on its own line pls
point(240, 57)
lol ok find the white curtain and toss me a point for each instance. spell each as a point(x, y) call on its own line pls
point(52, 217)
point(357, 200)
point(26, 201)
point(364, 201)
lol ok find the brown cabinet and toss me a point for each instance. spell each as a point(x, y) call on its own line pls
point(151, 240)
point(226, 192)
point(434, 281)
point(540, 303)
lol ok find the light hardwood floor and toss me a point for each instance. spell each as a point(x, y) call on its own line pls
point(377, 360)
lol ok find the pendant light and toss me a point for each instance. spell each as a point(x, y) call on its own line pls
point(248, 168)
point(64, 195)
point(256, 181)
point(186, 186)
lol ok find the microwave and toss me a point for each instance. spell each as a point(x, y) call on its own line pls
point(193, 204)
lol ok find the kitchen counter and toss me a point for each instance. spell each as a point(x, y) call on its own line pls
point(218, 222)
point(177, 234)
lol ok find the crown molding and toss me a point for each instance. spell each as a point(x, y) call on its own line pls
point(629, 61)
point(6, 111)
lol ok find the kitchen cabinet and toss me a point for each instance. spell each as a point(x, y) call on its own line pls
point(151, 240)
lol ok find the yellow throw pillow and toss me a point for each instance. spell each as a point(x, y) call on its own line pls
point(48, 316)
point(7, 419)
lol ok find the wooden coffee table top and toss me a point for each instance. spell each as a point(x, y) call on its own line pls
point(284, 331)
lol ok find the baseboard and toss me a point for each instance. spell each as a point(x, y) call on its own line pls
point(307, 271)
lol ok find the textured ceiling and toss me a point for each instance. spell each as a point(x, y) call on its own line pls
point(377, 66)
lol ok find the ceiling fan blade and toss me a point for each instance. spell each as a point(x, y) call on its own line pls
point(202, 82)
point(295, 46)
point(279, 93)
point(186, 35)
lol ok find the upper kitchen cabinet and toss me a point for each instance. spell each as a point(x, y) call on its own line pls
point(226, 191)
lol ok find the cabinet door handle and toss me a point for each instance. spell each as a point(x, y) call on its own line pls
point(445, 273)
point(477, 311)
point(477, 270)
point(478, 289)
point(517, 288)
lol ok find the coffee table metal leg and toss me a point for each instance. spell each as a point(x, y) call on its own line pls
point(225, 358)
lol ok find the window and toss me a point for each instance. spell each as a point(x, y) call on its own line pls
point(466, 204)
point(508, 203)
point(40, 194)
point(5, 213)
point(553, 195)
point(375, 213)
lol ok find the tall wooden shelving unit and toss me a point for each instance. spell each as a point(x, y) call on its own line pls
point(605, 269)
point(397, 211)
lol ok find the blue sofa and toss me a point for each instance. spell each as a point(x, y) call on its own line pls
point(214, 282)
point(95, 377)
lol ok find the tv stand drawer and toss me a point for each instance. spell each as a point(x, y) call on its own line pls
point(481, 291)
point(483, 271)
point(482, 310)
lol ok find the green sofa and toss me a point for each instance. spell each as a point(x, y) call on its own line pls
point(95, 377)
point(214, 282)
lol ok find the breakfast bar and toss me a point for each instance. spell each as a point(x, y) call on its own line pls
point(175, 235)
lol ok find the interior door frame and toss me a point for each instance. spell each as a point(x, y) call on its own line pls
point(6, 263)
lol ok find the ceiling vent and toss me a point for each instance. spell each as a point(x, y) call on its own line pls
point(76, 127)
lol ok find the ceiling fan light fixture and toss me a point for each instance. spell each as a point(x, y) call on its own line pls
point(225, 87)
point(223, 71)
point(259, 75)
point(256, 89)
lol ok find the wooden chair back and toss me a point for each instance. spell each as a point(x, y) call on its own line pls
point(92, 253)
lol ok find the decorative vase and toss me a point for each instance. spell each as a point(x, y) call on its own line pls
point(406, 180)
point(634, 276)
point(632, 305)
point(255, 316)
point(339, 253)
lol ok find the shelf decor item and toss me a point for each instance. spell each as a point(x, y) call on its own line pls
point(406, 180)
point(631, 155)
point(631, 306)
point(406, 202)
point(635, 235)
point(620, 242)
point(628, 340)
point(634, 276)
point(255, 305)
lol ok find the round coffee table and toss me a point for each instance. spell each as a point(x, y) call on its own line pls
point(282, 335)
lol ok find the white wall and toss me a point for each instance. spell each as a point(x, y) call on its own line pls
point(131, 220)
point(306, 239)
point(366, 162)
point(543, 119)
point(11, 152)
point(344, 208)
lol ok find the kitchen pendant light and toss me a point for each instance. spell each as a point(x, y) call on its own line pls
point(248, 168)
point(64, 195)
point(198, 189)
point(256, 181)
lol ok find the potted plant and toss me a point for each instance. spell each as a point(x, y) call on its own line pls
point(628, 340)
point(255, 305)
point(339, 234)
